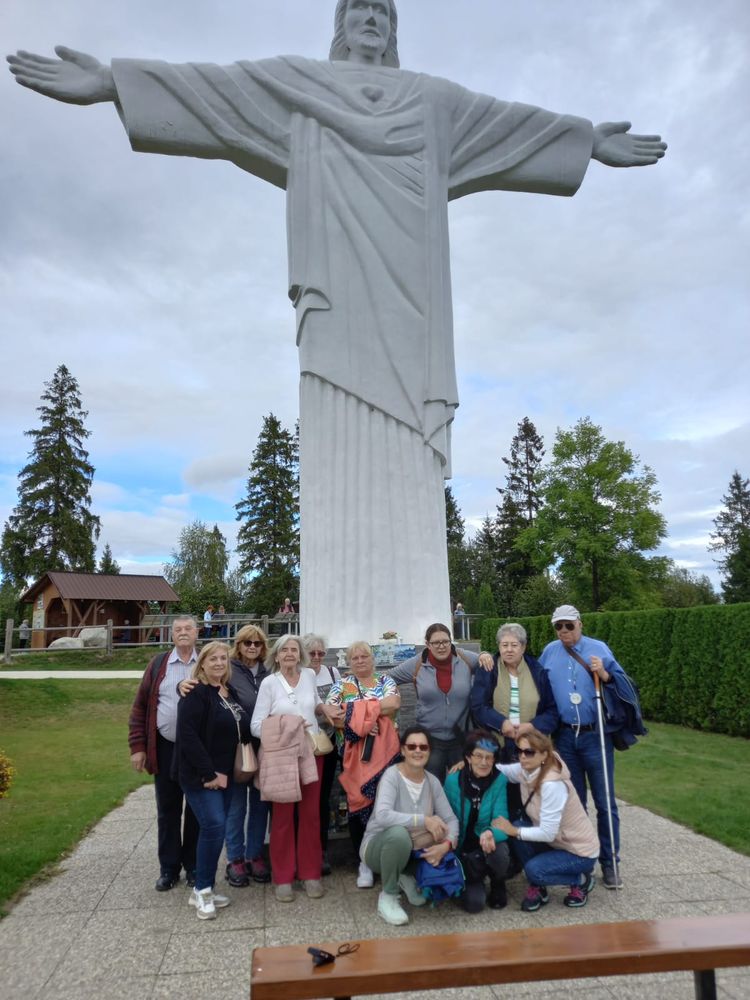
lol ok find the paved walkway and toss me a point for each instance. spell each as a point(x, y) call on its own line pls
point(97, 929)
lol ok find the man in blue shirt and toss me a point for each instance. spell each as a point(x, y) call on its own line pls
point(578, 741)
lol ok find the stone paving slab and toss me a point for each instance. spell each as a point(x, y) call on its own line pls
point(97, 929)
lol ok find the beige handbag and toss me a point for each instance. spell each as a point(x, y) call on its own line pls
point(245, 763)
point(321, 743)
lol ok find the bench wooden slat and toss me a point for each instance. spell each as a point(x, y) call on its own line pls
point(539, 953)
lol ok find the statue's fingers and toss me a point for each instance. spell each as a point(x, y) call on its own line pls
point(35, 57)
point(645, 138)
point(650, 148)
point(613, 128)
point(33, 73)
point(72, 55)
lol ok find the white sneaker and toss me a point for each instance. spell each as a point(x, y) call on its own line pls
point(390, 909)
point(203, 901)
point(365, 878)
point(284, 893)
point(413, 893)
point(221, 901)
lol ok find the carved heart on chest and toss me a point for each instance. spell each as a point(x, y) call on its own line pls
point(373, 93)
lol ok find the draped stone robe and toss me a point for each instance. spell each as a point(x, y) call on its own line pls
point(369, 157)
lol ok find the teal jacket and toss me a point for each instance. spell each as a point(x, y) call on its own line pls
point(494, 803)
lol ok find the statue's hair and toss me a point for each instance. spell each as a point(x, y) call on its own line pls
point(339, 48)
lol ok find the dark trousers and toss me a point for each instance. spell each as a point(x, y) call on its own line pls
point(477, 865)
point(330, 760)
point(177, 841)
point(443, 755)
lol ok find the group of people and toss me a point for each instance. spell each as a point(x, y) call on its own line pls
point(477, 776)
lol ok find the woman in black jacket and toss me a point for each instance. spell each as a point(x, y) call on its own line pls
point(210, 723)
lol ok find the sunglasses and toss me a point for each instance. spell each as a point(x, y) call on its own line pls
point(568, 626)
point(417, 746)
point(526, 752)
point(317, 654)
point(252, 642)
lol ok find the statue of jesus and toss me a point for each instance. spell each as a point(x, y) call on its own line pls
point(369, 155)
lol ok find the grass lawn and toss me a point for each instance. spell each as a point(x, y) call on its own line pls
point(701, 780)
point(85, 659)
point(68, 743)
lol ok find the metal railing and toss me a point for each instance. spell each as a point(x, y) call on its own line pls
point(154, 630)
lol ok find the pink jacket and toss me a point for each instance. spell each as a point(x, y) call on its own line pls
point(286, 759)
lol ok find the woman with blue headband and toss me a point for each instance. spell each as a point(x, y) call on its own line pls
point(477, 795)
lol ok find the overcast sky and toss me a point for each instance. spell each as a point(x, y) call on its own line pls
point(161, 282)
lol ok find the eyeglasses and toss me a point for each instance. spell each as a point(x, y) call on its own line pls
point(317, 654)
point(252, 642)
point(526, 752)
point(568, 626)
point(483, 758)
point(424, 747)
point(440, 643)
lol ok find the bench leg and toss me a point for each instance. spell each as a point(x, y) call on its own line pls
point(705, 985)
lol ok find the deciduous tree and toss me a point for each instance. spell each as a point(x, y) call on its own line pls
point(198, 566)
point(52, 526)
point(599, 507)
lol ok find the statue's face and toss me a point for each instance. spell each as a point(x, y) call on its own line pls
point(367, 28)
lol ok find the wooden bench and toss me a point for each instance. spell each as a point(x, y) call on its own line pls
point(394, 965)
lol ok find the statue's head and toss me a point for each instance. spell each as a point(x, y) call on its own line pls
point(366, 27)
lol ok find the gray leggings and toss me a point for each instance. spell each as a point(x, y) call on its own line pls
point(389, 854)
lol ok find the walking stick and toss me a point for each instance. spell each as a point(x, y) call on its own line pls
point(602, 744)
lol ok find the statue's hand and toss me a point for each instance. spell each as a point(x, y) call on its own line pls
point(74, 78)
point(616, 147)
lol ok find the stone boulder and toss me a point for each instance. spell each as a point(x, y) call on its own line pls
point(94, 637)
point(66, 642)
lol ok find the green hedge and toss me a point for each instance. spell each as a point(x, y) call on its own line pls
point(692, 665)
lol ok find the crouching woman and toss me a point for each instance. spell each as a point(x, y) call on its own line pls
point(559, 845)
point(410, 808)
point(477, 795)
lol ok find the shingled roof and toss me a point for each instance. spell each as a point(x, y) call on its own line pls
point(104, 587)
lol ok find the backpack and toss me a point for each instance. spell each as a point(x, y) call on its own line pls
point(442, 881)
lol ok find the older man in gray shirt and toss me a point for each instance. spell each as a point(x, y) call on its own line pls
point(152, 728)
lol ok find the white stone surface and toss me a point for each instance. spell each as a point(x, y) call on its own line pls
point(94, 637)
point(369, 155)
point(66, 642)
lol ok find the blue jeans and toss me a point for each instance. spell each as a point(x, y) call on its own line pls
point(242, 846)
point(544, 865)
point(583, 755)
point(211, 806)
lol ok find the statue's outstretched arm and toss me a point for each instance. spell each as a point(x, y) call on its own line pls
point(74, 78)
point(615, 146)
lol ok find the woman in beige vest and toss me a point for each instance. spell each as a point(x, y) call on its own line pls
point(556, 844)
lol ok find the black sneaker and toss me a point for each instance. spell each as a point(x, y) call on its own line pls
point(190, 879)
point(236, 875)
point(536, 897)
point(610, 880)
point(326, 865)
point(590, 882)
point(166, 881)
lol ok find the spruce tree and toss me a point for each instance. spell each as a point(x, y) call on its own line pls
point(268, 539)
point(459, 556)
point(733, 521)
point(107, 563)
point(521, 500)
point(52, 526)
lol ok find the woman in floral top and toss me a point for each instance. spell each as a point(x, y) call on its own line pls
point(361, 682)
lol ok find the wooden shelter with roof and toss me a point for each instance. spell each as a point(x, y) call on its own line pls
point(68, 602)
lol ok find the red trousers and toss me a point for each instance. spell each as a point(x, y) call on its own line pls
point(296, 847)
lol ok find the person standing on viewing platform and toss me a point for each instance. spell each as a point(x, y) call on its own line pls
point(572, 661)
point(152, 729)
